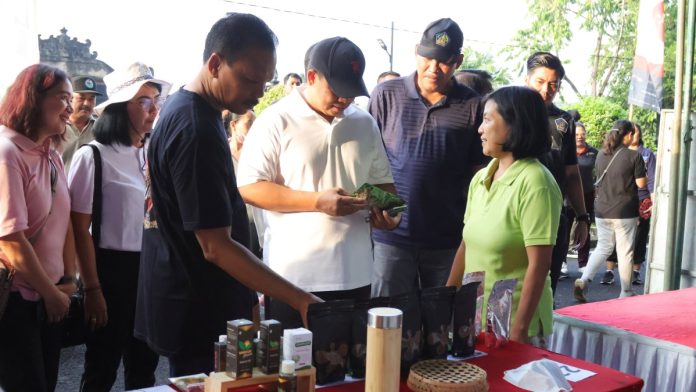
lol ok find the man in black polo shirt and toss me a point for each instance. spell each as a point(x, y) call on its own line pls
point(544, 74)
point(195, 269)
point(429, 126)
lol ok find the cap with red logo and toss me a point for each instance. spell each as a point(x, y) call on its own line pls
point(342, 63)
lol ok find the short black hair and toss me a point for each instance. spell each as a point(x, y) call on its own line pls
point(113, 125)
point(291, 75)
point(476, 79)
point(236, 33)
point(524, 111)
point(546, 60)
point(387, 73)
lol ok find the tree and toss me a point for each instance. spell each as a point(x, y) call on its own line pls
point(598, 115)
point(269, 97)
point(484, 61)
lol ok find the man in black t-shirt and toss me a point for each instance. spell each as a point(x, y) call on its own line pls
point(544, 74)
point(195, 272)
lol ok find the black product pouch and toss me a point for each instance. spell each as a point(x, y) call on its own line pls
point(436, 310)
point(411, 336)
point(464, 322)
point(330, 323)
point(358, 345)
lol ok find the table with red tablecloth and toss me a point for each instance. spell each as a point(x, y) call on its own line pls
point(514, 355)
point(651, 336)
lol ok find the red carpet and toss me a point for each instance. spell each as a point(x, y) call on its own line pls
point(669, 316)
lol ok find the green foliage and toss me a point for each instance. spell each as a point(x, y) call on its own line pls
point(484, 61)
point(598, 114)
point(270, 96)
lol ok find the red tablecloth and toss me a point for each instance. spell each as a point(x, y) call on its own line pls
point(513, 355)
point(669, 316)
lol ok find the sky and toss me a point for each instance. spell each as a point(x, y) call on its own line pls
point(169, 35)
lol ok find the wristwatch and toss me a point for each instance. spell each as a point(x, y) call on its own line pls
point(67, 279)
point(583, 218)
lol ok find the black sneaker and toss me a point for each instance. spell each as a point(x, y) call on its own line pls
point(608, 278)
point(636, 278)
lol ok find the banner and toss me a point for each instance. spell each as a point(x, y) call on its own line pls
point(648, 64)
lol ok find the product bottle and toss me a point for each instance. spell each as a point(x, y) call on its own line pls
point(287, 380)
point(383, 350)
point(221, 354)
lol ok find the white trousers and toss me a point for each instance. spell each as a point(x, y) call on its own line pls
point(622, 234)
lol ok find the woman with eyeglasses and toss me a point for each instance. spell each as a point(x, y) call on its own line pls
point(109, 256)
point(35, 233)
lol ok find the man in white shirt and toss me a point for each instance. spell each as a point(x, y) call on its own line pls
point(302, 159)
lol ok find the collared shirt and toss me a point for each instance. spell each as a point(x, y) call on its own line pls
point(292, 145)
point(563, 153)
point(504, 217)
point(123, 192)
point(74, 138)
point(586, 164)
point(617, 193)
point(432, 150)
point(27, 204)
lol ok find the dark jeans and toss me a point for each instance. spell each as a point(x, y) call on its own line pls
point(583, 251)
point(291, 318)
point(560, 251)
point(29, 347)
point(118, 276)
point(640, 246)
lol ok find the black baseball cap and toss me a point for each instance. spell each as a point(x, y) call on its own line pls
point(441, 40)
point(342, 63)
point(85, 84)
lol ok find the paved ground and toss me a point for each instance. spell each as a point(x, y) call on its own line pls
point(71, 358)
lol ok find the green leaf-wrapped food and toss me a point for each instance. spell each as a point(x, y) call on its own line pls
point(377, 198)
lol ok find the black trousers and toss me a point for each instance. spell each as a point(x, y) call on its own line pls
point(560, 251)
point(291, 318)
point(118, 276)
point(29, 347)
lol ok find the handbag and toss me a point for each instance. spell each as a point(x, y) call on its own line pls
point(75, 329)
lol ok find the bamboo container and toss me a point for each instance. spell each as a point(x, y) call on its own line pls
point(383, 350)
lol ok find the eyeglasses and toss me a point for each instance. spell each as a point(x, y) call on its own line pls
point(147, 104)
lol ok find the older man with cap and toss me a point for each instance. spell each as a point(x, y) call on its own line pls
point(429, 125)
point(302, 159)
point(79, 130)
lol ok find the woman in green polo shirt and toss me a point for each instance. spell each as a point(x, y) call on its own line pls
point(513, 209)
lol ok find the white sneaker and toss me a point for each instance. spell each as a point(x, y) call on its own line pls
point(564, 268)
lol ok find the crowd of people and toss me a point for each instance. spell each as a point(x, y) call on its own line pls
point(176, 214)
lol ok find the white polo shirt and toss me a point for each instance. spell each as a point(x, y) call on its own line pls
point(290, 144)
point(123, 193)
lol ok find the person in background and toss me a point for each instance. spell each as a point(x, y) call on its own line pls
point(79, 130)
point(109, 255)
point(36, 238)
point(238, 127)
point(195, 270)
point(621, 172)
point(387, 75)
point(303, 158)
point(476, 79)
point(644, 212)
point(428, 124)
point(290, 81)
point(513, 211)
point(545, 74)
point(587, 155)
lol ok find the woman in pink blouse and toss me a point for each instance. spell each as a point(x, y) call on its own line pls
point(35, 232)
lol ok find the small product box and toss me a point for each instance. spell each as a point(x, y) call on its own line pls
point(297, 346)
point(240, 348)
point(269, 346)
